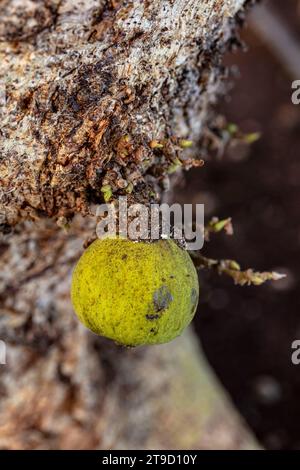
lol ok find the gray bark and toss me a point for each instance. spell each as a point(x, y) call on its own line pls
point(86, 86)
point(77, 78)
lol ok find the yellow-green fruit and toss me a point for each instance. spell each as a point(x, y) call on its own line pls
point(135, 292)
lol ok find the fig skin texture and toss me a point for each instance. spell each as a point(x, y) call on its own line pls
point(135, 293)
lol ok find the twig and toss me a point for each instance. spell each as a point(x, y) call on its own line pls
point(232, 269)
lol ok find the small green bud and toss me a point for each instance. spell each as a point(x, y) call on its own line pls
point(185, 144)
point(107, 192)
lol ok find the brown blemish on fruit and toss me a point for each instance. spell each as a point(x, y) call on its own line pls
point(153, 316)
point(162, 298)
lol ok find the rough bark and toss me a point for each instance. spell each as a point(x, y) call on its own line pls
point(87, 86)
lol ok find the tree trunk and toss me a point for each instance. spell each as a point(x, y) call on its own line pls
point(64, 387)
point(88, 90)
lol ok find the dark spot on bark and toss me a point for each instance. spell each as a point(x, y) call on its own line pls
point(137, 35)
point(162, 298)
point(73, 103)
point(25, 101)
point(5, 229)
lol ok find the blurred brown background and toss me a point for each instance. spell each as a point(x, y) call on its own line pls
point(247, 332)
